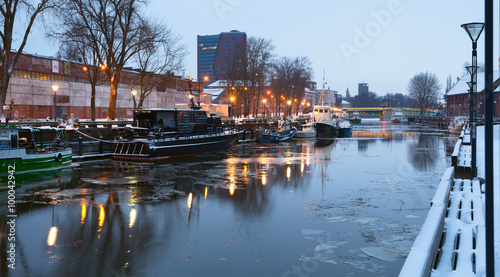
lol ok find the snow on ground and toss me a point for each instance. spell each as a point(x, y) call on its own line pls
point(481, 173)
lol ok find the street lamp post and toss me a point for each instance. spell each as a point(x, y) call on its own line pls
point(55, 88)
point(289, 102)
point(231, 99)
point(134, 93)
point(474, 31)
point(264, 101)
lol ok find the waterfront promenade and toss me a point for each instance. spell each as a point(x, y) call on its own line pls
point(452, 239)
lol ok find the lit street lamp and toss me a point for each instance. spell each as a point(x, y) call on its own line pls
point(231, 100)
point(134, 93)
point(55, 88)
point(289, 102)
point(264, 101)
point(474, 31)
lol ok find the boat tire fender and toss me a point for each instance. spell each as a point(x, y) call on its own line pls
point(59, 157)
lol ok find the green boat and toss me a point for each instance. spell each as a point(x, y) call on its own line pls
point(20, 152)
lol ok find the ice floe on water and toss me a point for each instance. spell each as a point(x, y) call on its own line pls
point(382, 253)
point(386, 240)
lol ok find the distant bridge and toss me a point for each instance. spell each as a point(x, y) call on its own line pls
point(386, 112)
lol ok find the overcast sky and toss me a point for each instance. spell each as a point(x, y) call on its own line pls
point(380, 42)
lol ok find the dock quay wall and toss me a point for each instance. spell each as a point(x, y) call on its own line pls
point(431, 121)
point(424, 251)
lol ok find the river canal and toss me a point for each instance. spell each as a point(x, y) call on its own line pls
point(350, 208)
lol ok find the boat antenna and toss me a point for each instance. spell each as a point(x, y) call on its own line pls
point(324, 83)
point(10, 111)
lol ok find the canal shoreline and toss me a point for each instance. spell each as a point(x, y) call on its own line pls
point(452, 239)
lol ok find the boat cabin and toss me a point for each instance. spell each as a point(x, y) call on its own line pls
point(32, 139)
point(9, 138)
point(322, 114)
point(177, 121)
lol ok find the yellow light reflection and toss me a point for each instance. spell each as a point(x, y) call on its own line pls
point(190, 200)
point(84, 212)
point(101, 216)
point(264, 180)
point(288, 172)
point(51, 239)
point(206, 192)
point(302, 167)
point(133, 216)
point(232, 187)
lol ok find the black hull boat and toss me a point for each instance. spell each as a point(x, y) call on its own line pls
point(325, 131)
point(345, 132)
point(163, 134)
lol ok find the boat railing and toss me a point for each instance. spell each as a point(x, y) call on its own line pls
point(47, 149)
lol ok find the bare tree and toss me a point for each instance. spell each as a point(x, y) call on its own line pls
point(289, 79)
point(115, 29)
point(259, 54)
point(10, 10)
point(75, 50)
point(158, 60)
point(424, 87)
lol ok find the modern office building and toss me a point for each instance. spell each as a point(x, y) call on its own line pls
point(220, 56)
point(363, 89)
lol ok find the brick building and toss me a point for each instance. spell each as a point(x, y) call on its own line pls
point(457, 99)
point(34, 76)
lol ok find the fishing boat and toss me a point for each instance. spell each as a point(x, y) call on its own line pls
point(344, 129)
point(159, 134)
point(266, 136)
point(326, 126)
point(306, 130)
point(20, 152)
point(398, 117)
point(355, 118)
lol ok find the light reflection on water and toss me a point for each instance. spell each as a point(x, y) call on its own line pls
point(350, 207)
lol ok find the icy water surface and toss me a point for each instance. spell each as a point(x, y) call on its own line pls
point(349, 208)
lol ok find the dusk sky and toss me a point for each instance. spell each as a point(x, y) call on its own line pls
point(380, 42)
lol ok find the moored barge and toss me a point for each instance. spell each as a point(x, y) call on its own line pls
point(165, 133)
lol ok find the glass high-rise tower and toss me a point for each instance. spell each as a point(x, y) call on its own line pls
point(221, 56)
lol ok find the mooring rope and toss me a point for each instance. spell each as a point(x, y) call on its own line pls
point(91, 137)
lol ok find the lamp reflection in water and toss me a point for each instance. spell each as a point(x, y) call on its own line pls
point(264, 180)
point(102, 215)
point(288, 172)
point(133, 216)
point(84, 211)
point(206, 192)
point(51, 239)
point(232, 187)
point(190, 200)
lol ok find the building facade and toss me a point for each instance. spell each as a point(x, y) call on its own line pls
point(458, 97)
point(35, 77)
point(221, 56)
point(363, 89)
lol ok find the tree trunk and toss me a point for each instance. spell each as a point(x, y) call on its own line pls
point(141, 102)
point(112, 99)
point(5, 85)
point(92, 103)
